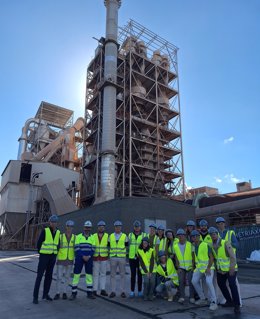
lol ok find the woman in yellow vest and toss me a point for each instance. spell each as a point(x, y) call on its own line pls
point(147, 268)
point(184, 264)
point(65, 260)
point(167, 275)
point(204, 261)
point(48, 244)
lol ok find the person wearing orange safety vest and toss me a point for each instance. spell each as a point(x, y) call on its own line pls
point(100, 259)
point(47, 245)
point(65, 260)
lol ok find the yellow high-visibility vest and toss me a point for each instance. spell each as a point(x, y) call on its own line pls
point(50, 245)
point(101, 247)
point(162, 244)
point(202, 257)
point(66, 250)
point(117, 249)
point(171, 271)
point(185, 260)
point(134, 244)
point(146, 258)
point(207, 239)
point(223, 261)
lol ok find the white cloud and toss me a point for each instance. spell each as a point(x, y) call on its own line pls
point(229, 140)
point(188, 187)
point(218, 180)
point(230, 178)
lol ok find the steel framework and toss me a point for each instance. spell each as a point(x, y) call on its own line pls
point(149, 157)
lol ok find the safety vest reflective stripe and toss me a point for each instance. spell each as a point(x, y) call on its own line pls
point(101, 247)
point(134, 244)
point(185, 260)
point(202, 257)
point(50, 244)
point(66, 250)
point(117, 248)
point(223, 261)
point(171, 271)
point(146, 258)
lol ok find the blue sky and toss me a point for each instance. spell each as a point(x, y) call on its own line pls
point(47, 45)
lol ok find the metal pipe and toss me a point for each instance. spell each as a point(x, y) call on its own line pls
point(23, 139)
point(241, 204)
point(109, 105)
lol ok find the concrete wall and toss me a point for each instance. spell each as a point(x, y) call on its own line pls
point(174, 213)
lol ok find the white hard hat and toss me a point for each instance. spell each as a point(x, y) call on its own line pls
point(88, 223)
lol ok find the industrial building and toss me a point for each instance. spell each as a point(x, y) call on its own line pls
point(125, 154)
point(144, 135)
point(45, 178)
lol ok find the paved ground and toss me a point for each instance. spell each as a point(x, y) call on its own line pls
point(18, 271)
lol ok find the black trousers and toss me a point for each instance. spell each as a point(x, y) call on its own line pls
point(222, 283)
point(134, 268)
point(45, 265)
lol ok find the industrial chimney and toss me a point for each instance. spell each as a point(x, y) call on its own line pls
point(108, 147)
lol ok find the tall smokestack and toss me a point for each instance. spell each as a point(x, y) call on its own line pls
point(108, 148)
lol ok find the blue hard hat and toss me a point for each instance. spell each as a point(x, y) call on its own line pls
point(118, 223)
point(153, 225)
point(191, 223)
point(137, 223)
point(180, 231)
point(195, 233)
point(203, 222)
point(53, 219)
point(168, 231)
point(146, 239)
point(70, 223)
point(101, 223)
point(212, 230)
point(161, 253)
point(220, 220)
point(161, 227)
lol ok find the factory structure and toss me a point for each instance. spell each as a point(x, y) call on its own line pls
point(122, 160)
point(128, 145)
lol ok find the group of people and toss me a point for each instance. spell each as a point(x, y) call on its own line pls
point(161, 263)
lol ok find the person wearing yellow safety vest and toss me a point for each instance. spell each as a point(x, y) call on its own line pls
point(162, 238)
point(153, 238)
point(167, 275)
point(65, 260)
point(171, 240)
point(184, 264)
point(135, 239)
point(84, 251)
point(118, 242)
point(226, 266)
point(204, 261)
point(147, 268)
point(47, 245)
point(204, 235)
point(230, 236)
point(100, 259)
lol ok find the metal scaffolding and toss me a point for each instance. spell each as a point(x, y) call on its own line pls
point(149, 157)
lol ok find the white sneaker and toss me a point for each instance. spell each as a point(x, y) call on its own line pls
point(170, 298)
point(192, 300)
point(181, 300)
point(201, 302)
point(213, 306)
